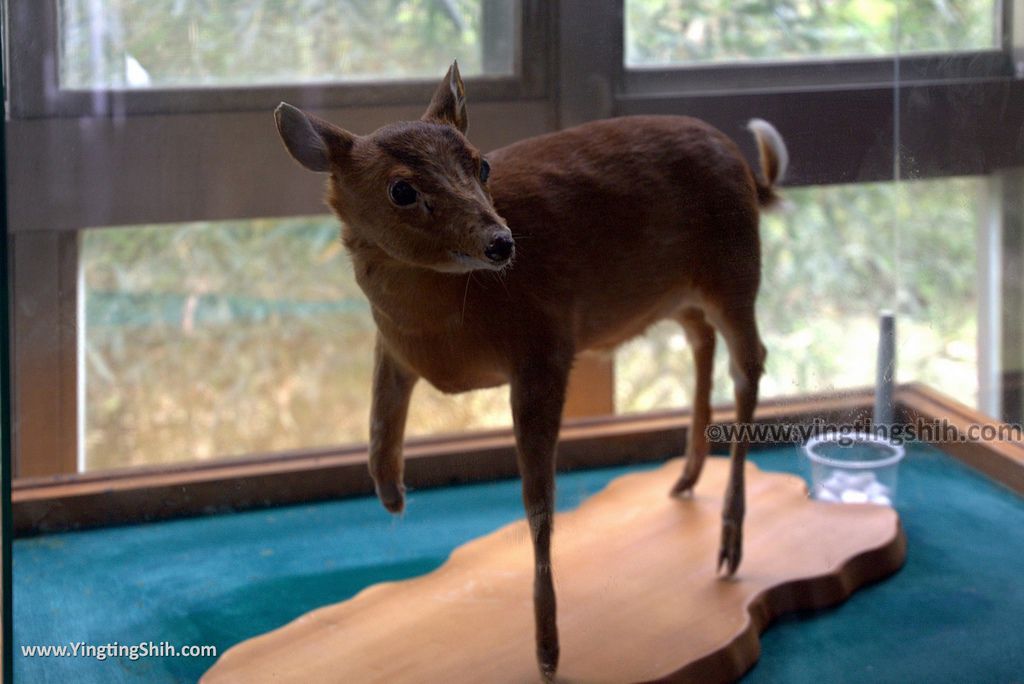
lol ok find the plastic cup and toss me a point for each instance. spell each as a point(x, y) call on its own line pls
point(853, 468)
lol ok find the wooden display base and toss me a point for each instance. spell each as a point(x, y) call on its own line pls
point(638, 596)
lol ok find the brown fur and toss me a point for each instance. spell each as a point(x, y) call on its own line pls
point(617, 224)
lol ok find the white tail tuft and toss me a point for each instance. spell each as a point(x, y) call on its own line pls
point(768, 137)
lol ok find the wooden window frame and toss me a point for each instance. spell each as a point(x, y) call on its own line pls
point(42, 505)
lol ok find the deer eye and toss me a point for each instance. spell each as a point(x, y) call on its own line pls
point(402, 193)
point(485, 170)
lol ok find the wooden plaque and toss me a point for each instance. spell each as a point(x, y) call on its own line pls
point(638, 595)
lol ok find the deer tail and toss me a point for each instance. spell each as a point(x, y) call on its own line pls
point(774, 159)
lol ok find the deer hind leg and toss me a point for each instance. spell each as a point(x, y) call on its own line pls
point(701, 338)
point(738, 327)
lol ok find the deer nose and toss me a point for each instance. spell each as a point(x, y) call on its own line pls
point(500, 249)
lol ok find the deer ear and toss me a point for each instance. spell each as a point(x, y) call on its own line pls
point(449, 102)
point(312, 141)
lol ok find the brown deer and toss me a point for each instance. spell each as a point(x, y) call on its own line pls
point(484, 271)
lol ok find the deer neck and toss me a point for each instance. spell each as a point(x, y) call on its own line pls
point(406, 299)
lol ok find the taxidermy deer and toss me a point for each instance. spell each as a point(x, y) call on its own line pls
point(482, 272)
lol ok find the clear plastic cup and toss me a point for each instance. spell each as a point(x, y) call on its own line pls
point(854, 468)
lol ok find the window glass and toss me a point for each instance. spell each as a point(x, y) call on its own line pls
point(831, 261)
point(666, 32)
point(174, 43)
point(215, 339)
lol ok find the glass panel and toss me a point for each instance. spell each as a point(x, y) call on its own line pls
point(666, 32)
point(171, 342)
point(829, 266)
point(213, 339)
point(175, 43)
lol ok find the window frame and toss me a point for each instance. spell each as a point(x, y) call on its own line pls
point(731, 77)
point(35, 90)
point(845, 100)
point(572, 71)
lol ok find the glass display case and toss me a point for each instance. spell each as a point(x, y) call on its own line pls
point(190, 355)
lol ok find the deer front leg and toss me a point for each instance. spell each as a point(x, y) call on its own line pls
point(392, 388)
point(538, 395)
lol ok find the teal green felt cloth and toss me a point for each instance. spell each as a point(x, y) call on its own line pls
point(954, 613)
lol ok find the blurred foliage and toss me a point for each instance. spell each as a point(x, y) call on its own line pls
point(161, 43)
point(680, 31)
point(832, 260)
point(213, 339)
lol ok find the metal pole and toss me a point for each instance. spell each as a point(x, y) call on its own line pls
point(886, 371)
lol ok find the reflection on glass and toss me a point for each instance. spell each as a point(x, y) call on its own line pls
point(216, 339)
point(176, 43)
point(666, 32)
point(831, 262)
